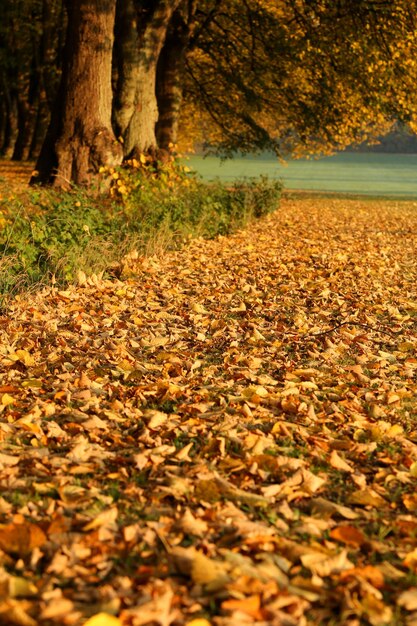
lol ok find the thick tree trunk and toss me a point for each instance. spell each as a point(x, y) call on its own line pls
point(170, 74)
point(140, 35)
point(80, 138)
point(47, 61)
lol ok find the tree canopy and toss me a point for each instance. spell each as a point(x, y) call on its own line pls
point(294, 76)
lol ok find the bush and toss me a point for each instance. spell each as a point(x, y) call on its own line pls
point(56, 233)
point(188, 205)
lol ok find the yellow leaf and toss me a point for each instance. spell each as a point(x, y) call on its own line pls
point(205, 571)
point(25, 357)
point(406, 346)
point(384, 430)
point(198, 308)
point(103, 619)
point(392, 397)
point(20, 587)
point(105, 518)
point(6, 399)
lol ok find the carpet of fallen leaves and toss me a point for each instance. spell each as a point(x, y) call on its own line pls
point(14, 175)
point(226, 437)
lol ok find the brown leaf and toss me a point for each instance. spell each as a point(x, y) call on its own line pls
point(21, 538)
point(349, 535)
point(367, 497)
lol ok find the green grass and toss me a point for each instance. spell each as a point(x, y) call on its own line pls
point(50, 235)
point(345, 174)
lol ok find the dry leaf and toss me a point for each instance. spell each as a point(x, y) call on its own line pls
point(205, 571)
point(103, 619)
point(22, 538)
point(349, 535)
point(324, 565)
point(337, 462)
point(408, 599)
point(367, 497)
point(16, 612)
point(155, 419)
point(325, 507)
point(250, 606)
point(192, 525)
point(106, 518)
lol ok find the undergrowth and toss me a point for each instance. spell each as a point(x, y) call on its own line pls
point(51, 235)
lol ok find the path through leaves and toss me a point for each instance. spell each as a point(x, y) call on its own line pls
point(226, 436)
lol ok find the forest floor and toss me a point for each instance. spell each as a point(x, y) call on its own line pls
point(226, 437)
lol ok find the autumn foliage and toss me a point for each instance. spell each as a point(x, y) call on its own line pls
point(225, 437)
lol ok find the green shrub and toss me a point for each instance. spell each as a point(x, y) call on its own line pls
point(190, 206)
point(57, 234)
point(51, 236)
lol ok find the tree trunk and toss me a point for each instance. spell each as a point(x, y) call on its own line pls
point(170, 74)
point(47, 60)
point(27, 104)
point(39, 129)
point(9, 98)
point(140, 35)
point(80, 138)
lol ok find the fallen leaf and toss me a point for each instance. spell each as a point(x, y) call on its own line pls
point(324, 565)
point(408, 599)
point(337, 462)
point(367, 497)
point(103, 619)
point(250, 606)
point(21, 539)
point(349, 535)
point(106, 518)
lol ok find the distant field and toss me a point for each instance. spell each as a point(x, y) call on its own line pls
point(353, 173)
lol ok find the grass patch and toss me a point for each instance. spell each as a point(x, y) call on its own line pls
point(47, 235)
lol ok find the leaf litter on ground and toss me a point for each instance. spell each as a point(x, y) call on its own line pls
point(225, 436)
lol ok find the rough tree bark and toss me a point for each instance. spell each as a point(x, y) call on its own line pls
point(80, 138)
point(140, 34)
point(170, 74)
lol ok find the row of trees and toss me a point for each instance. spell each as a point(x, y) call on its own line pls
point(90, 83)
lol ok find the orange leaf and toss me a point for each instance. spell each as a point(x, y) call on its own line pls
point(21, 539)
point(349, 535)
point(370, 573)
point(251, 606)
